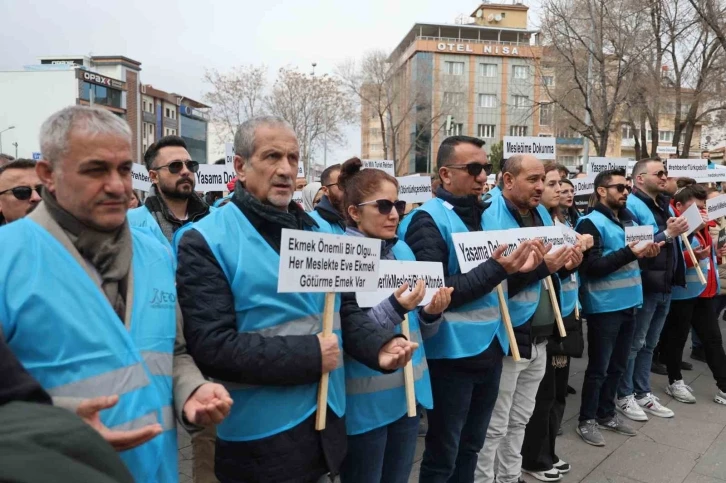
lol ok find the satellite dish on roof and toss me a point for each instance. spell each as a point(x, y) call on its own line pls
point(498, 18)
point(490, 18)
point(479, 13)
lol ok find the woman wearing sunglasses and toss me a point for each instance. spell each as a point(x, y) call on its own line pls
point(381, 437)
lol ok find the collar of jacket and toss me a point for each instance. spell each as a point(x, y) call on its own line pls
point(469, 208)
point(623, 214)
point(514, 211)
point(386, 245)
point(661, 201)
point(196, 207)
point(294, 218)
point(327, 212)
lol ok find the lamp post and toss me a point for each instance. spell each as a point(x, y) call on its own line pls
point(1, 137)
point(16, 149)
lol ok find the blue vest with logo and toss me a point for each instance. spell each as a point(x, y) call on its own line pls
point(470, 329)
point(251, 267)
point(60, 325)
point(373, 399)
point(570, 287)
point(325, 226)
point(694, 287)
point(497, 217)
point(622, 289)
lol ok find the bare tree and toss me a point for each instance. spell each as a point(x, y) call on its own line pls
point(713, 13)
point(317, 107)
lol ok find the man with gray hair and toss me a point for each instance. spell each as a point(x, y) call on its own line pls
point(267, 346)
point(106, 293)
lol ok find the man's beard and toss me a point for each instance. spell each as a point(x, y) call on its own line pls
point(176, 192)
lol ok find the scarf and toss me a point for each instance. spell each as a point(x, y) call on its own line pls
point(109, 252)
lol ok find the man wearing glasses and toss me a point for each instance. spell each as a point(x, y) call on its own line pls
point(19, 190)
point(172, 202)
point(327, 213)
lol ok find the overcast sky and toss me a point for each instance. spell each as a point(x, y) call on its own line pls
point(176, 40)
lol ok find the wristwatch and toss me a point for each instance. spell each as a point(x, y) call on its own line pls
point(668, 238)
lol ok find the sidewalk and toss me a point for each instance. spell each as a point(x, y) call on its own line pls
point(689, 448)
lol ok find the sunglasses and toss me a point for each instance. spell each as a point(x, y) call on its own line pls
point(23, 193)
point(620, 187)
point(175, 167)
point(663, 173)
point(474, 169)
point(385, 206)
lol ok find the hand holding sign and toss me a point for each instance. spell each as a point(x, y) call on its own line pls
point(676, 226)
point(586, 242)
point(329, 350)
point(558, 259)
point(575, 260)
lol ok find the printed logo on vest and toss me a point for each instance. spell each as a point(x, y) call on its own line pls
point(163, 300)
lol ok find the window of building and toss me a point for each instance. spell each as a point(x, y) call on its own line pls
point(143, 148)
point(485, 130)
point(102, 95)
point(665, 136)
point(566, 160)
point(517, 130)
point(454, 68)
point(144, 106)
point(454, 98)
point(168, 114)
point(521, 102)
point(487, 100)
point(457, 129)
point(488, 70)
point(548, 80)
point(545, 114)
point(521, 72)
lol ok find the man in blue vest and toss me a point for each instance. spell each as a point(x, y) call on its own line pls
point(267, 346)
point(611, 291)
point(327, 213)
point(650, 205)
point(465, 356)
point(533, 318)
point(172, 202)
point(89, 304)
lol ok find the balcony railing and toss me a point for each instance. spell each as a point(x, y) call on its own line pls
point(470, 41)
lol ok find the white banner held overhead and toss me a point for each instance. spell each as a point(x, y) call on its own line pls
point(386, 165)
point(212, 177)
point(140, 177)
point(414, 189)
point(584, 186)
point(597, 165)
point(318, 262)
point(297, 198)
point(693, 217)
point(686, 168)
point(666, 150)
point(539, 147)
point(641, 234)
point(716, 207)
point(392, 274)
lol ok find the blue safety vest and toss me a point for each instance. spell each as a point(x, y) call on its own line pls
point(694, 287)
point(141, 217)
point(493, 193)
point(641, 212)
point(251, 267)
point(569, 291)
point(60, 325)
point(325, 226)
point(622, 289)
point(373, 399)
point(470, 329)
point(497, 217)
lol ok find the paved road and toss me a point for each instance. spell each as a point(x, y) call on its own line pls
point(689, 448)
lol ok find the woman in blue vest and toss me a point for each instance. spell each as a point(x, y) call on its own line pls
point(695, 304)
point(381, 436)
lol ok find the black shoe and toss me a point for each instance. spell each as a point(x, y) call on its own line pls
point(698, 354)
point(658, 368)
point(571, 390)
point(686, 366)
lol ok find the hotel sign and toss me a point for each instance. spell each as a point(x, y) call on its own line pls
point(468, 48)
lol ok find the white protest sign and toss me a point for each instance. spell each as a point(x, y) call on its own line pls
point(568, 233)
point(597, 165)
point(414, 189)
point(384, 165)
point(300, 170)
point(539, 147)
point(716, 207)
point(641, 234)
point(686, 168)
point(548, 234)
point(392, 274)
point(212, 177)
point(712, 176)
point(693, 217)
point(318, 262)
point(297, 198)
point(140, 177)
point(584, 186)
point(229, 158)
point(666, 150)
point(475, 247)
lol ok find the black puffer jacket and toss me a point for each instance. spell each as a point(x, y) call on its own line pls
point(300, 454)
point(329, 213)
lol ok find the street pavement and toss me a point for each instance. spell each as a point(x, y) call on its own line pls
point(689, 448)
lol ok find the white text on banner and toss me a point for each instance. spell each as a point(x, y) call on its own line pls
point(686, 168)
point(716, 207)
point(392, 274)
point(317, 262)
point(641, 234)
point(414, 189)
point(693, 217)
point(382, 164)
point(140, 177)
point(539, 147)
point(597, 165)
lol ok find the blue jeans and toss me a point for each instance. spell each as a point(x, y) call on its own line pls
point(609, 338)
point(649, 320)
point(383, 454)
point(463, 405)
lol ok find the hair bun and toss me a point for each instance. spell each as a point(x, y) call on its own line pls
point(683, 182)
point(349, 169)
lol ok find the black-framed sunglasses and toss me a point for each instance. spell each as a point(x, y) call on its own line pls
point(663, 173)
point(175, 167)
point(385, 206)
point(620, 187)
point(474, 169)
point(23, 193)
point(329, 185)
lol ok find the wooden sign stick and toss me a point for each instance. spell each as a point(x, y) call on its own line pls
point(408, 373)
point(577, 311)
point(328, 312)
point(685, 241)
point(556, 306)
point(504, 309)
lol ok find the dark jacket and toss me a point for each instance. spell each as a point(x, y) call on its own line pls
point(15, 382)
point(169, 224)
point(329, 213)
point(660, 273)
point(301, 453)
point(429, 245)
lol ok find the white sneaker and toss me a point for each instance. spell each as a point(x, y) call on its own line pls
point(680, 392)
point(720, 397)
point(651, 404)
point(630, 409)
